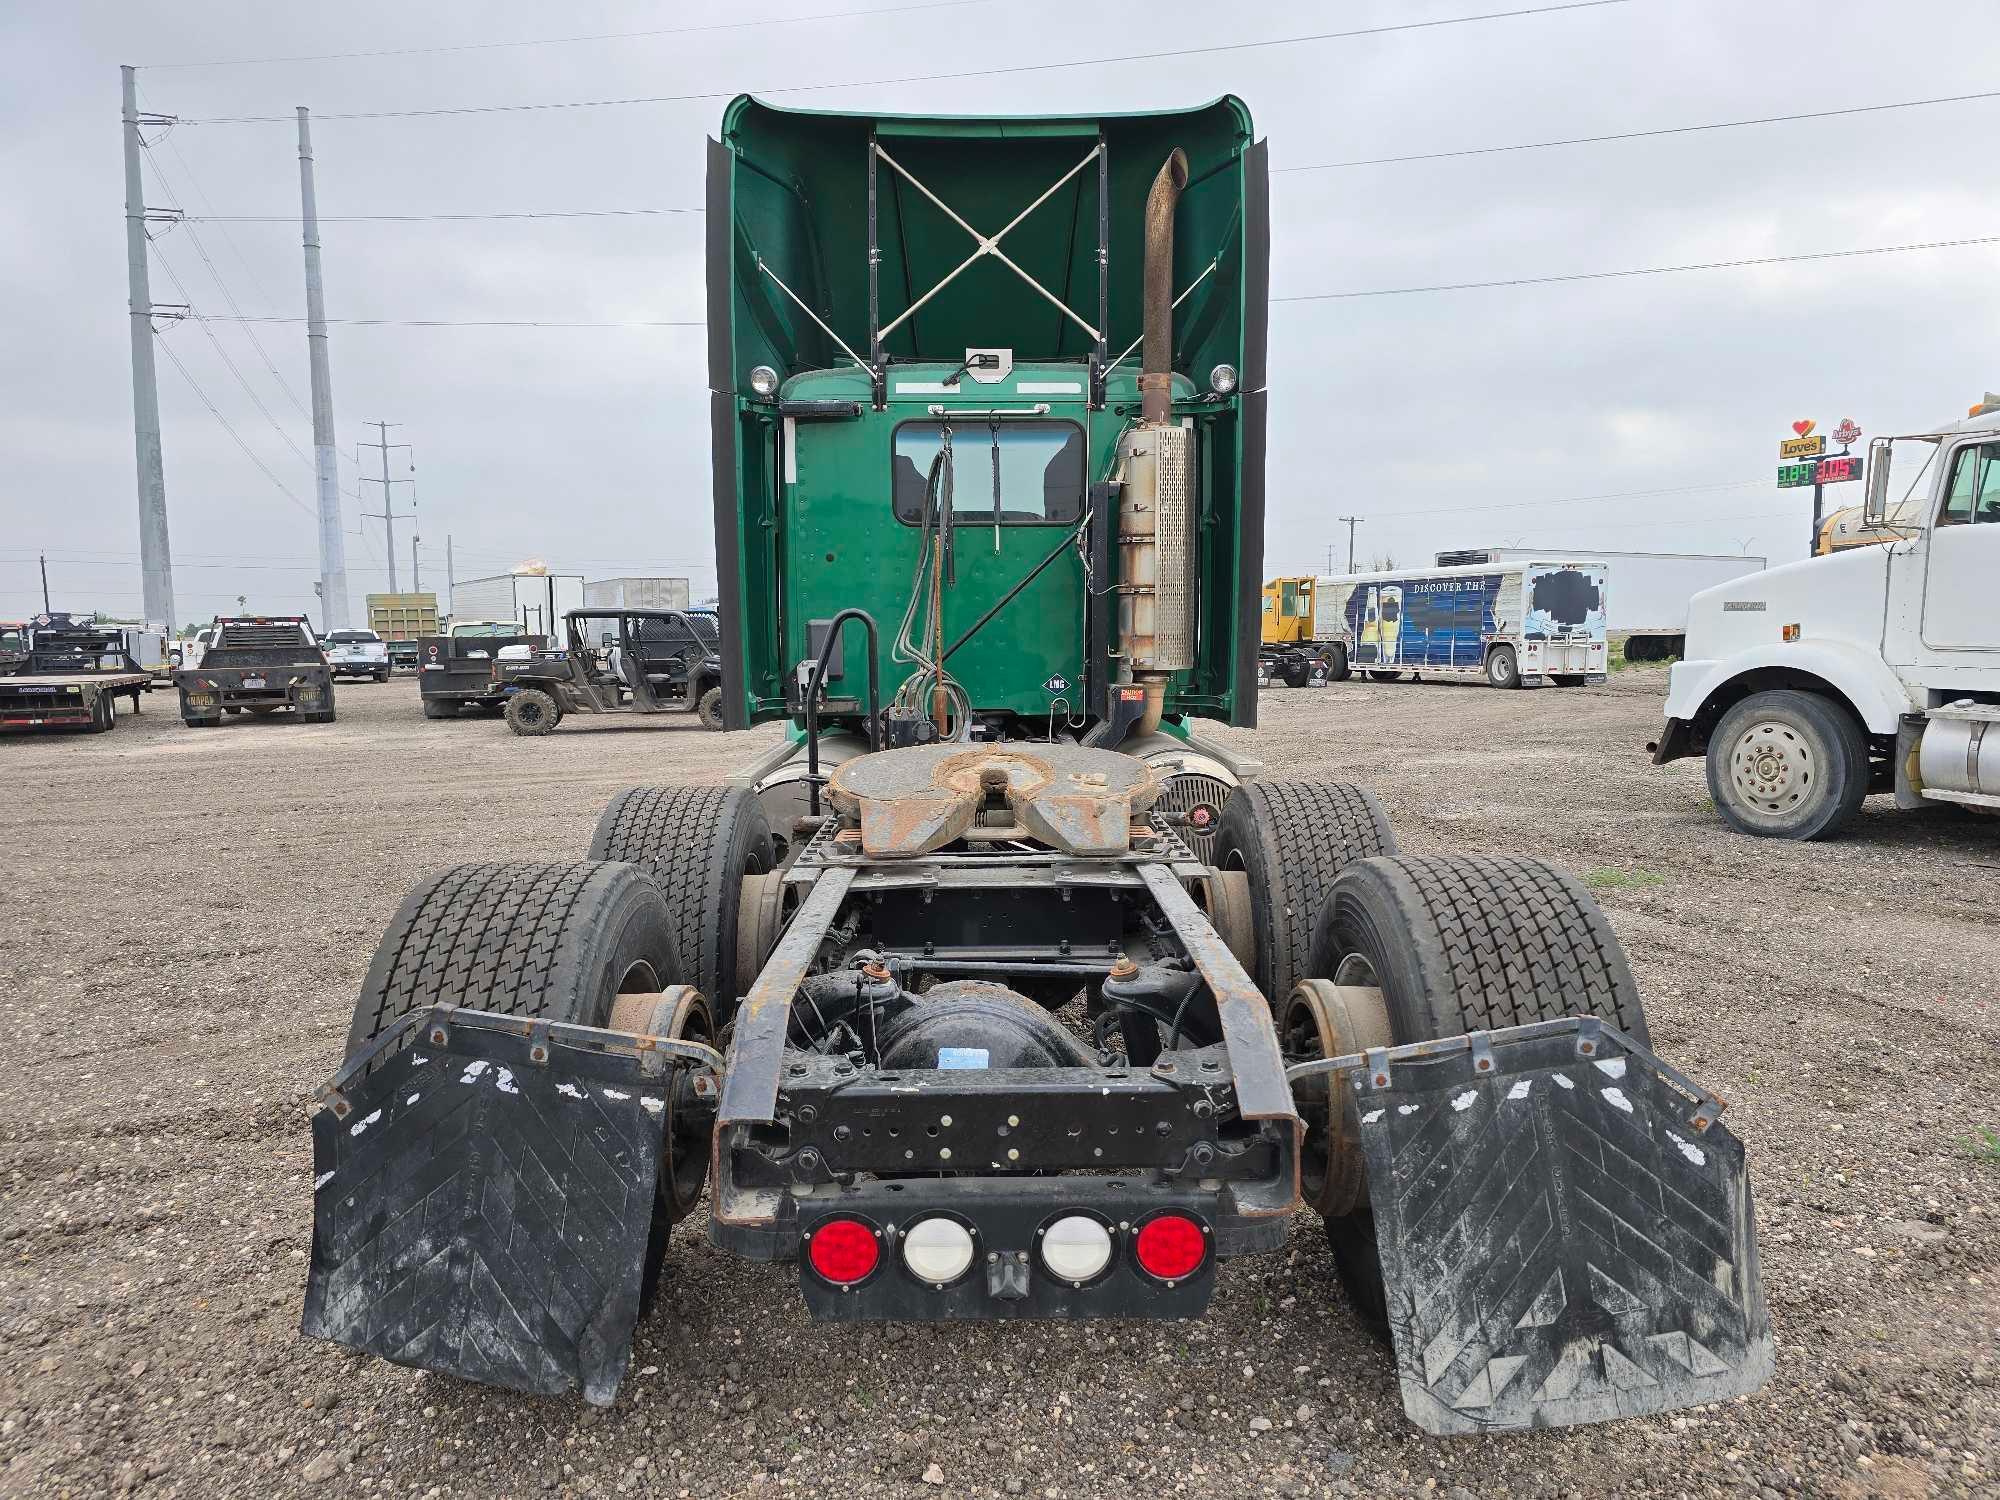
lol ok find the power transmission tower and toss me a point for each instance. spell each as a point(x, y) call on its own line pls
point(387, 514)
point(155, 554)
point(326, 464)
point(1352, 522)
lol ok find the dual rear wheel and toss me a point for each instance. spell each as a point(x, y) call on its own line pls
point(1359, 946)
point(642, 936)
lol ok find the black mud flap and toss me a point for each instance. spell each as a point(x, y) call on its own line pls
point(1565, 1229)
point(483, 1196)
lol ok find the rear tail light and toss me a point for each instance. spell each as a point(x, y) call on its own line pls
point(1076, 1248)
point(844, 1251)
point(937, 1250)
point(1171, 1246)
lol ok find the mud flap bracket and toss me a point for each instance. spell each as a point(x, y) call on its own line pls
point(1566, 1230)
point(483, 1198)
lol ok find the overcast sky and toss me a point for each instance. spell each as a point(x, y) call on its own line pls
point(1445, 419)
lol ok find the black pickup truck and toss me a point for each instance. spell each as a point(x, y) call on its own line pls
point(258, 665)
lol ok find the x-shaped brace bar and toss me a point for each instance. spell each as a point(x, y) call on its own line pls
point(990, 245)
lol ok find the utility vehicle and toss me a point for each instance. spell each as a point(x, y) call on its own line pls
point(963, 1000)
point(640, 661)
point(1875, 669)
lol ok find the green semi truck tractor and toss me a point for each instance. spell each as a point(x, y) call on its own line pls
point(994, 990)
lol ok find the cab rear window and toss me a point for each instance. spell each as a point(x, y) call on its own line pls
point(1038, 467)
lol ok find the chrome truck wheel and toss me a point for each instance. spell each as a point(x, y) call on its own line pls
point(1787, 765)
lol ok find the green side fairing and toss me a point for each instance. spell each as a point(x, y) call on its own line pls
point(810, 515)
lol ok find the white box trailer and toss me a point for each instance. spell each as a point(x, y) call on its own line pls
point(1649, 590)
point(637, 593)
point(1514, 624)
point(536, 601)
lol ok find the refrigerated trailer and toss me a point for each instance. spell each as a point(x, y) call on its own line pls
point(1648, 612)
point(1522, 624)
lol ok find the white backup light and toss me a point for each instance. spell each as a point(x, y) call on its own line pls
point(764, 381)
point(937, 1250)
point(1076, 1248)
point(1222, 379)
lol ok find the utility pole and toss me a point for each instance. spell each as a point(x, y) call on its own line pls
point(451, 574)
point(387, 515)
point(1352, 522)
point(326, 464)
point(416, 579)
point(155, 555)
point(45, 582)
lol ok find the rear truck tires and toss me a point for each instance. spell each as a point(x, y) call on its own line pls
point(1567, 679)
point(1293, 671)
point(1385, 676)
point(1461, 944)
point(1788, 765)
point(549, 942)
point(264, 710)
point(439, 708)
point(103, 715)
point(383, 675)
point(1503, 668)
point(532, 711)
point(1291, 839)
point(703, 846)
point(1337, 668)
point(555, 942)
point(708, 708)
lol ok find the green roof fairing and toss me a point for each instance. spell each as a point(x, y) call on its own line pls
point(800, 202)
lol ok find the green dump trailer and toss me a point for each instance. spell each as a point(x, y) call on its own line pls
point(995, 990)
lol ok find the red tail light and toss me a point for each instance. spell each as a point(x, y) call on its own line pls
point(1171, 1246)
point(844, 1251)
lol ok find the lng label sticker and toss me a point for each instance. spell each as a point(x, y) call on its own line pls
point(1056, 684)
point(962, 1057)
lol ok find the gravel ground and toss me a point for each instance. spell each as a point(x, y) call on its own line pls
point(190, 916)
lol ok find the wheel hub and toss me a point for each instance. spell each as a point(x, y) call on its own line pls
point(1771, 767)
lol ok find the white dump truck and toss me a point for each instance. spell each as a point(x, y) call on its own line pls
point(1877, 669)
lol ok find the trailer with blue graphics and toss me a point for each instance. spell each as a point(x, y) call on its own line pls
point(1515, 625)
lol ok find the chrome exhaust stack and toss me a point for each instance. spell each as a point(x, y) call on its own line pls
point(1156, 534)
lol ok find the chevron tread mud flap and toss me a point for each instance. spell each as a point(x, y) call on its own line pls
point(1565, 1228)
point(483, 1198)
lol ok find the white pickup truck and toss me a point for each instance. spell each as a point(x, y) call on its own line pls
point(357, 653)
point(1877, 669)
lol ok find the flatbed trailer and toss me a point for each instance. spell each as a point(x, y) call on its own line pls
point(68, 700)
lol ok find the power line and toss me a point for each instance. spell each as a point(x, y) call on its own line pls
point(1327, 166)
point(199, 249)
point(1638, 135)
point(234, 369)
point(459, 322)
point(571, 213)
point(1686, 489)
point(1407, 291)
point(563, 41)
point(216, 412)
point(1006, 72)
point(1713, 265)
